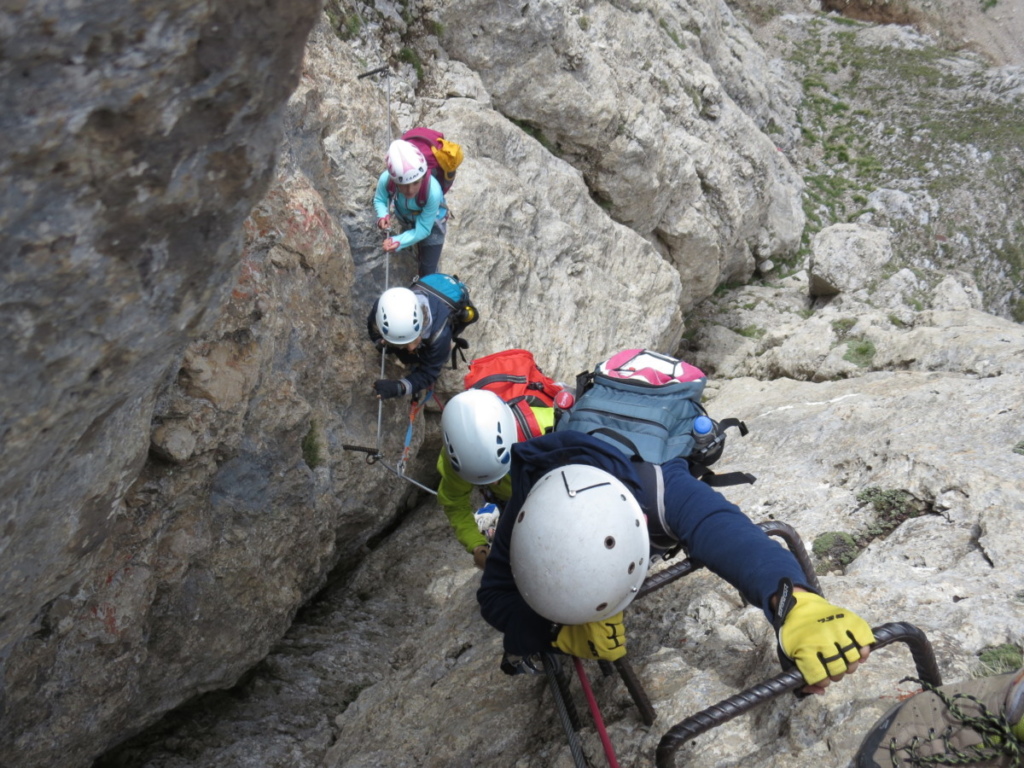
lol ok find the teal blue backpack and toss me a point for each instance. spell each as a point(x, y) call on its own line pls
point(454, 293)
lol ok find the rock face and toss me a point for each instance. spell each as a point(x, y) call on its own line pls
point(846, 257)
point(395, 667)
point(995, 30)
point(184, 480)
point(136, 142)
point(640, 98)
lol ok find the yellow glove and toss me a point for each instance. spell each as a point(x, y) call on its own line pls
point(605, 639)
point(823, 639)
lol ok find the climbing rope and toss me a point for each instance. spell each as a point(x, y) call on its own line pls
point(385, 72)
point(377, 455)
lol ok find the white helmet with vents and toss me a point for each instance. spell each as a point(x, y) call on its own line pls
point(580, 547)
point(399, 316)
point(478, 430)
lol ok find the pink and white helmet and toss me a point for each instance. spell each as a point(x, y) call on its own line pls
point(405, 162)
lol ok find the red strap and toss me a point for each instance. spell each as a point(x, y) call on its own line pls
point(526, 421)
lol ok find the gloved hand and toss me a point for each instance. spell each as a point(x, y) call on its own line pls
point(480, 555)
point(604, 639)
point(820, 638)
point(388, 388)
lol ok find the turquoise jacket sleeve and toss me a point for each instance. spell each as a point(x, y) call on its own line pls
point(408, 210)
point(381, 203)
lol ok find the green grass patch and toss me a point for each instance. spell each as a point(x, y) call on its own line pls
point(834, 550)
point(891, 508)
point(896, 322)
point(860, 352)
point(409, 56)
point(346, 25)
point(999, 659)
point(311, 450)
point(843, 326)
point(538, 134)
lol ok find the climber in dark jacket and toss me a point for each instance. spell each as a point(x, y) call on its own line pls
point(415, 327)
point(573, 546)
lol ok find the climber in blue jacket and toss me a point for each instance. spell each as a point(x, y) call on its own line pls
point(574, 543)
point(423, 214)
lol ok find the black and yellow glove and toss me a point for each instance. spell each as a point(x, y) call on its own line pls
point(604, 639)
point(820, 638)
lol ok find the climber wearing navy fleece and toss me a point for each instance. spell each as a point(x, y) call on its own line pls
point(711, 529)
point(416, 328)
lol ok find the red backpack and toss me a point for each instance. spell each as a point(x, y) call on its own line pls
point(443, 158)
point(513, 375)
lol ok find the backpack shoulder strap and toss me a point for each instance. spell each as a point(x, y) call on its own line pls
point(428, 288)
point(653, 505)
point(619, 438)
point(526, 420)
point(424, 193)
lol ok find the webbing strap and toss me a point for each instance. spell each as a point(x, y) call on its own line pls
point(734, 422)
point(414, 410)
point(525, 418)
point(726, 478)
point(653, 505)
point(502, 378)
point(618, 437)
point(434, 292)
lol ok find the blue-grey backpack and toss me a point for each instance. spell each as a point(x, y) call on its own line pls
point(645, 404)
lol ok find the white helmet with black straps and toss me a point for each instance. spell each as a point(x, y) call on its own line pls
point(400, 317)
point(580, 547)
point(478, 430)
point(405, 163)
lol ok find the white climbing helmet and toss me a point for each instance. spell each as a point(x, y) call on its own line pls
point(478, 431)
point(405, 162)
point(399, 316)
point(580, 548)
